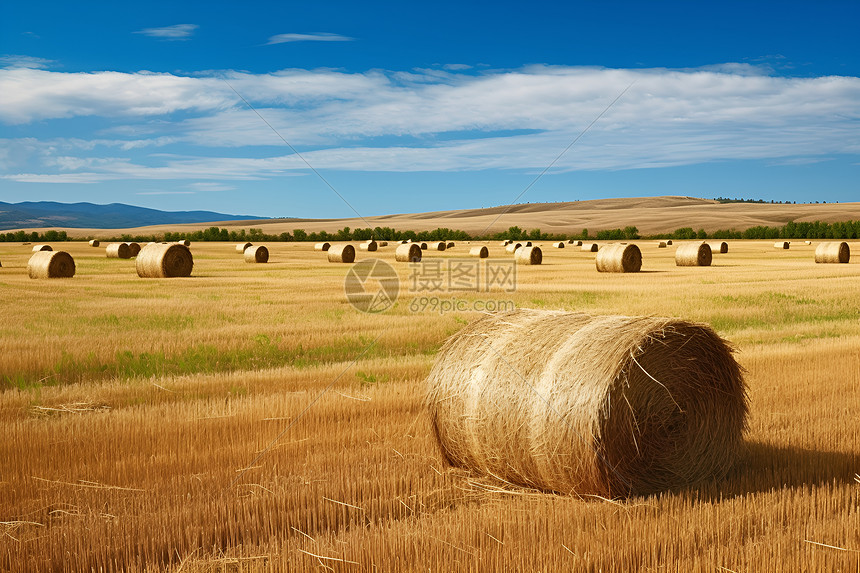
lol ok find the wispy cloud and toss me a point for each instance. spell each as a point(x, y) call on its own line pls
point(24, 62)
point(318, 37)
point(165, 193)
point(175, 32)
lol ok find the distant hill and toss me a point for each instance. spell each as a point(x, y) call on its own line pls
point(89, 215)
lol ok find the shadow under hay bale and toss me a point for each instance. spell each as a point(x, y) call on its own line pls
point(619, 258)
point(480, 252)
point(118, 251)
point(51, 265)
point(693, 255)
point(240, 248)
point(257, 254)
point(164, 260)
point(528, 256)
point(408, 253)
point(341, 254)
point(832, 252)
point(605, 405)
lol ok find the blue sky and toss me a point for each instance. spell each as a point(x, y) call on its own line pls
point(425, 106)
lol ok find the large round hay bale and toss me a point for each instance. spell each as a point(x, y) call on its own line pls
point(341, 254)
point(40, 248)
point(408, 253)
point(559, 245)
point(369, 246)
point(693, 255)
point(833, 252)
point(590, 247)
point(528, 256)
point(118, 251)
point(134, 248)
point(597, 405)
point(257, 254)
point(512, 247)
point(240, 248)
point(719, 247)
point(94, 243)
point(481, 252)
point(618, 258)
point(51, 265)
point(781, 245)
point(164, 260)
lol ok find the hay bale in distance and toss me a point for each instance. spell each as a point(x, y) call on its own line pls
point(599, 405)
point(94, 243)
point(450, 245)
point(383, 243)
point(369, 246)
point(184, 242)
point(40, 248)
point(661, 245)
point(832, 252)
point(436, 246)
point(118, 251)
point(781, 245)
point(405, 241)
point(481, 252)
point(590, 247)
point(505, 243)
point(559, 245)
point(51, 265)
point(512, 247)
point(134, 248)
point(669, 241)
point(408, 253)
point(322, 246)
point(423, 246)
point(240, 248)
point(528, 256)
point(341, 254)
point(807, 242)
point(619, 258)
point(693, 255)
point(257, 254)
point(719, 247)
point(528, 244)
point(164, 260)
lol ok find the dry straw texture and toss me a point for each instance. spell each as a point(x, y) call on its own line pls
point(781, 245)
point(341, 254)
point(528, 256)
point(39, 248)
point(240, 248)
point(693, 255)
point(605, 405)
point(590, 247)
point(118, 251)
point(51, 265)
point(94, 243)
point(617, 258)
point(369, 246)
point(135, 248)
point(408, 253)
point(512, 247)
point(559, 245)
point(322, 246)
point(835, 252)
point(164, 260)
point(480, 252)
point(258, 254)
point(719, 247)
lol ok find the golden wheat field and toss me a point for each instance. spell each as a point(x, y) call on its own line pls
point(248, 418)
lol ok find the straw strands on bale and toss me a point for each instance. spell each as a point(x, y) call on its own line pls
point(341, 254)
point(408, 253)
point(619, 258)
point(693, 255)
point(322, 246)
point(94, 243)
point(369, 246)
point(598, 405)
point(512, 247)
point(240, 248)
point(51, 265)
point(135, 248)
point(719, 247)
point(590, 247)
point(835, 252)
point(39, 248)
point(118, 251)
point(164, 260)
point(528, 256)
point(781, 245)
point(257, 254)
point(559, 245)
point(481, 252)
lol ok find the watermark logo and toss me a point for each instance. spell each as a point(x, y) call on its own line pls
point(371, 286)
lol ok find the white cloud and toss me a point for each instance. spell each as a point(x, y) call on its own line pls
point(175, 32)
point(319, 37)
point(25, 62)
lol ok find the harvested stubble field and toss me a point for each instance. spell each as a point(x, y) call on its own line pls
point(156, 424)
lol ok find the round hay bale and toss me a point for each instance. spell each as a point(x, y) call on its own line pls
point(257, 254)
point(240, 248)
point(369, 246)
point(164, 260)
point(598, 405)
point(619, 259)
point(423, 246)
point(436, 245)
point(661, 245)
point(118, 251)
point(408, 253)
point(512, 247)
point(51, 265)
point(807, 242)
point(781, 245)
point(528, 256)
point(40, 248)
point(505, 243)
point(693, 255)
point(383, 243)
point(833, 252)
point(480, 252)
point(184, 243)
point(719, 247)
point(528, 244)
point(341, 254)
point(559, 245)
point(94, 243)
point(322, 246)
point(134, 248)
point(450, 245)
point(669, 242)
point(590, 247)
